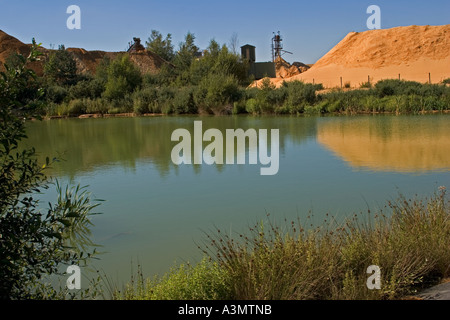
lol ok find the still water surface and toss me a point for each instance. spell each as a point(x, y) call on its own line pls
point(155, 212)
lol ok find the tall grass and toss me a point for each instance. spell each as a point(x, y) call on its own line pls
point(409, 240)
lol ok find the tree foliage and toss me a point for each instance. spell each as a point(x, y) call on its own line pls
point(123, 77)
point(162, 47)
point(33, 244)
point(61, 67)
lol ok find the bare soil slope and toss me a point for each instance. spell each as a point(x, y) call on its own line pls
point(87, 61)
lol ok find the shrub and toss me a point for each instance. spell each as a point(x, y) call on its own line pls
point(251, 106)
point(145, 100)
point(123, 77)
point(365, 85)
point(33, 245)
point(183, 102)
point(77, 107)
point(165, 99)
point(299, 95)
point(96, 106)
point(217, 93)
point(205, 281)
point(56, 94)
point(92, 89)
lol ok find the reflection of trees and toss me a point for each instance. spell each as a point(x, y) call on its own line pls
point(405, 144)
point(91, 143)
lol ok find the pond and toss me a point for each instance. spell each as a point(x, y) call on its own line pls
point(155, 212)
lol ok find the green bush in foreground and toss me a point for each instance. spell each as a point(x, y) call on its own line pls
point(205, 281)
point(411, 245)
point(34, 245)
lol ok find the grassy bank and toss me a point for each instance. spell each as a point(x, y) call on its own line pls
point(294, 98)
point(409, 240)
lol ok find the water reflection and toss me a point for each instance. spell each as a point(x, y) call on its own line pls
point(90, 144)
point(400, 144)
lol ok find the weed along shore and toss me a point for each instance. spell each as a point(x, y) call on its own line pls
point(409, 243)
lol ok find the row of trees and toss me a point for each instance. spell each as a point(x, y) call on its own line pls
point(185, 84)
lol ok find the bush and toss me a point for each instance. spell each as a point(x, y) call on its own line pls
point(123, 77)
point(76, 107)
point(165, 99)
point(146, 101)
point(365, 85)
point(251, 106)
point(217, 93)
point(91, 89)
point(33, 245)
point(96, 106)
point(56, 94)
point(183, 102)
point(299, 95)
point(397, 87)
point(205, 281)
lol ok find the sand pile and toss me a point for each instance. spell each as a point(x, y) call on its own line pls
point(285, 70)
point(412, 52)
point(10, 45)
point(87, 61)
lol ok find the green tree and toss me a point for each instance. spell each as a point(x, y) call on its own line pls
point(123, 77)
point(160, 46)
point(61, 67)
point(216, 93)
point(33, 244)
point(218, 60)
point(186, 53)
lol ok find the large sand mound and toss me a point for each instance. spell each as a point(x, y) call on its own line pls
point(412, 52)
point(87, 61)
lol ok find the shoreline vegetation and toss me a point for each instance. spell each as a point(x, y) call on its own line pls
point(409, 239)
point(217, 83)
point(292, 98)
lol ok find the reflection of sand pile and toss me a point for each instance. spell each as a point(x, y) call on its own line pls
point(87, 61)
point(413, 52)
point(285, 70)
point(389, 146)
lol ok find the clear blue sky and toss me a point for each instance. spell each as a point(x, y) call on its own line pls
point(310, 28)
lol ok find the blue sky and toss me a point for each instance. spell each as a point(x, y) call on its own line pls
point(310, 28)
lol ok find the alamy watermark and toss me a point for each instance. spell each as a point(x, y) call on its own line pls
point(374, 21)
point(74, 20)
point(74, 280)
point(374, 281)
point(235, 140)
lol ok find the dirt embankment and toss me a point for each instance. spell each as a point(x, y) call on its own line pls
point(87, 61)
point(411, 53)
